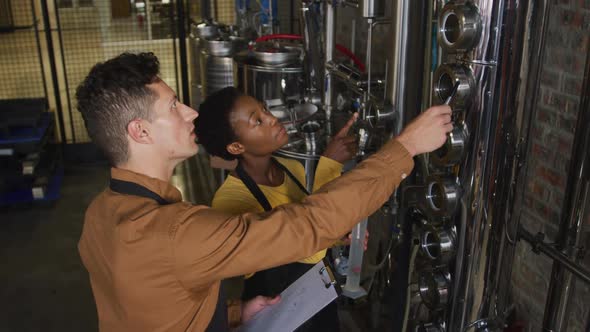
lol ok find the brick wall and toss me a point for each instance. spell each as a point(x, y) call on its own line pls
point(552, 137)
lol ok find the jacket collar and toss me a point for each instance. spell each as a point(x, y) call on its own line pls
point(162, 188)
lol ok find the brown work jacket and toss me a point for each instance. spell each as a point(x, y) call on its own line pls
point(158, 267)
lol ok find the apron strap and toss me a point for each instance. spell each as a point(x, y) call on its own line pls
point(253, 187)
point(255, 190)
point(286, 170)
point(132, 188)
point(219, 321)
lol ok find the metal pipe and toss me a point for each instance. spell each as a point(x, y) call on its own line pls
point(53, 68)
point(329, 52)
point(568, 238)
point(397, 59)
point(182, 28)
point(548, 249)
point(38, 42)
point(369, 59)
point(291, 16)
point(205, 10)
point(271, 19)
point(368, 63)
point(351, 3)
point(314, 57)
point(348, 77)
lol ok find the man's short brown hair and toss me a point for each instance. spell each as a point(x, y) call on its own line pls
point(112, 95)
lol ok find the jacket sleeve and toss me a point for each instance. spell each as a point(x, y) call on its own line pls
point(209, 245)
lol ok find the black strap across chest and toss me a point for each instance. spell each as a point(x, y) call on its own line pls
point(219, 321)
point(255, 190)
point(132, 188)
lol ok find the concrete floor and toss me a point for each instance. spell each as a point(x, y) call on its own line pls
point(43, 285)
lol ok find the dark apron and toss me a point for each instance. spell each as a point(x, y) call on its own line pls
point(219, 322)
point(272, 282)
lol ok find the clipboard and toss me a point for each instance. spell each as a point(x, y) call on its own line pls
point(299, 302)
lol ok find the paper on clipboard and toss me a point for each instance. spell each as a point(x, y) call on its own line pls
point(299, 302)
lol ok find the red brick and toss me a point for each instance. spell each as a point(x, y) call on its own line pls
point(567, 123)
point(572, 85)
point(579, 41)
point(539, 190)
point(550, 78)
point(561, 163)
point(551, 176)
point(541, 152)
point(546, 116)
point(564, 145)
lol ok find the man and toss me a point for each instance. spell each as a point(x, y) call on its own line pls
point(155, 262)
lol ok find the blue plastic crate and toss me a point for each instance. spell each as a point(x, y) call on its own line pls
point(27, 134)
point(25, 195)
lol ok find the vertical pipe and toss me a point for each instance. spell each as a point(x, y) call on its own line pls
point(329, 51)
point(396, 78)
point(215, 10)
point(291, 16)
point(38, 40)
point(148, 18)
point(314, 55)
point(570, 228)
point(368, 63)
point(270, 17)
point(353, 37)
point(182, 50)
point(53, 69)
point(205, 10)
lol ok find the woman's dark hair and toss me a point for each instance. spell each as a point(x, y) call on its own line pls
point(213, 127)
point(113, 94)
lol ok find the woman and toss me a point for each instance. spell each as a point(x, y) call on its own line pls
point(233, 126)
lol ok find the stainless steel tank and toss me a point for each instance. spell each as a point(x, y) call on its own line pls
point(198, 33)
point(213, 47)
point(274, 83)
point(217, 72)
point(273, 72)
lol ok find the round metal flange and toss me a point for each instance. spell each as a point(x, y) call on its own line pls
point(434, 289)
point(438, 245)
point(444, 80)
point(430, 327)
point(452, 151)
point(459, 27)
point(442, 196)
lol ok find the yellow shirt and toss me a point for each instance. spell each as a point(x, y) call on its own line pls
point(234, 197)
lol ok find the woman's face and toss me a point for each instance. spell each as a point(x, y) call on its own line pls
point(258, 132)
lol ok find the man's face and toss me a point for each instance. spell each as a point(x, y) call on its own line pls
point(172, 127)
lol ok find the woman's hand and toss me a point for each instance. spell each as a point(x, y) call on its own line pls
point(255, 305)
point(342, 147)
point(348, 239)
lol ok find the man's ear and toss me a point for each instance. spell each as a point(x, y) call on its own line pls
point(139, 131)
point(235, 148)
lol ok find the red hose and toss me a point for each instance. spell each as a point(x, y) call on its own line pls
point(342, 49)
point(351, 55)
point(278, 36)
